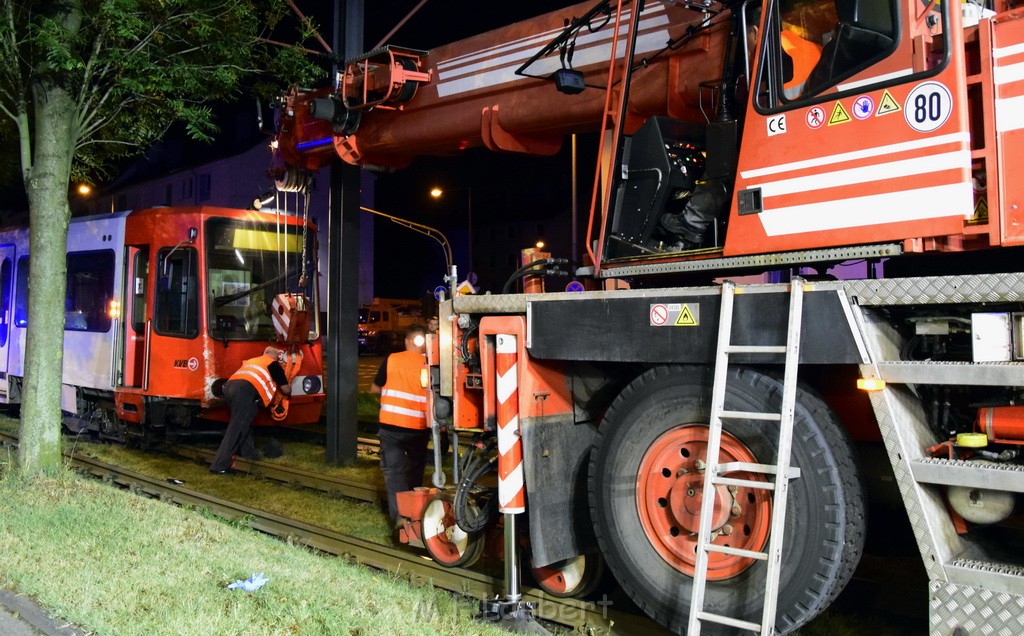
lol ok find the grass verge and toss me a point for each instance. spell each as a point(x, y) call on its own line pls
point(116, 563)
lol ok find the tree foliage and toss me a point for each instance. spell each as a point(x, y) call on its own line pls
point(88, 81)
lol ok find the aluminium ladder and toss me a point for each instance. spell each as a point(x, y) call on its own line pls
point(715, 471)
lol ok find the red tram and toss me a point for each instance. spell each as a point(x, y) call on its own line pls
point(163, 304)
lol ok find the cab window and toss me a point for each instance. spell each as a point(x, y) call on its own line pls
point(812, 45)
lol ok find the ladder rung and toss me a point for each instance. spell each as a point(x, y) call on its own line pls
point(731, 622)
point(764, 469)
point(725, 549)
point(744, 483)
point(755, 349)
point(750, 415)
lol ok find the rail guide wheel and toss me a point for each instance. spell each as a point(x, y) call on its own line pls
point(570, 578)
point(646, 479)
point(445, 541)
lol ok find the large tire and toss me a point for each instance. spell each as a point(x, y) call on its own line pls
point(825, 513)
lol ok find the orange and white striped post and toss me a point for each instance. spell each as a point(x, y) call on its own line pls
point(511, 486)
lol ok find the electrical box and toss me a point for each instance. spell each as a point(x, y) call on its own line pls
point(997, 336)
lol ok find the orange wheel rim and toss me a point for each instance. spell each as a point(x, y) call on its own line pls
point(669, 492)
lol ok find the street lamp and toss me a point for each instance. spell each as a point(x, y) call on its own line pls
point(437, 193)
point(426, 230)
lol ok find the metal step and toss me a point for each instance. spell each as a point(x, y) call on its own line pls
point(750, 415)
point(958, 373)
point(755, 349)
point(743, 483)
point(997, 577)
point(958, 472)
point(731, 622)
point(764, 469)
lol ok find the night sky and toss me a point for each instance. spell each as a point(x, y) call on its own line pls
point(504, 187)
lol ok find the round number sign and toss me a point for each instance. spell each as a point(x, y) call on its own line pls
point(928, 106)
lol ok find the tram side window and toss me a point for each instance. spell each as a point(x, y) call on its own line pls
point(21, 293)
point(177, 299)
point(818, 43)
point(90, 288)
point(6, 276)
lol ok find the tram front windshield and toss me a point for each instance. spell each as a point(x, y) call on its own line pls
point(248, 264)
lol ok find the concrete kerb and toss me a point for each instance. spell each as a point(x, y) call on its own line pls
point(20, 616)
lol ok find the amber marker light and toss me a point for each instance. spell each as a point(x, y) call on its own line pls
point(114, 311)
point(870, 384)
point(424, 377)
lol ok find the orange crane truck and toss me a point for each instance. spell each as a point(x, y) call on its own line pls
point(688, 429)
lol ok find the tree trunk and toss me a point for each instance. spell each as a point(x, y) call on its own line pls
point(47, 185)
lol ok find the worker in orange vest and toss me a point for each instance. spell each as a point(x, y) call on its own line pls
point(256, 382)
point(804, 55)
point(404, 430)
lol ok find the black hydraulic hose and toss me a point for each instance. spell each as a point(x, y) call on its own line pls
point(472, 467)
point(526, 270)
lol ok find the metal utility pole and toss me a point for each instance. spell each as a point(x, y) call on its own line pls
point(343, 265)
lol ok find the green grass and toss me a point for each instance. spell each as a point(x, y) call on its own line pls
point(117, 563)
point(359, 519)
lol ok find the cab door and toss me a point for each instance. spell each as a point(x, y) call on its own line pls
point(856, 130)
point(135, 326)
point(6, 313)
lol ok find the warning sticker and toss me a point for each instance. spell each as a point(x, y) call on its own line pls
point(659, 315)
point(839, 115)
point(675, 315)
point(815, 117)
point(888, 105)
point(863, 106)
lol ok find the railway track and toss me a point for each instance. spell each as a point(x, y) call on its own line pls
point(585, 617)
point(307, 479)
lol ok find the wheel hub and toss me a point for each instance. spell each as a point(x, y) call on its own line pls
point(670, 487)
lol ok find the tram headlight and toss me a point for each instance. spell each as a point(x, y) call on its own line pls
point(311, 384)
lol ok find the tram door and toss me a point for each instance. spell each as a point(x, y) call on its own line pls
point(136, 322)
point(6, 313)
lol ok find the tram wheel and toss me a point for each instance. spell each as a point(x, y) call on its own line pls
point(571, 578)
point(445, 541)
point(646, 482)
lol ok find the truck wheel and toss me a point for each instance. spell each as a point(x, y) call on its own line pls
point(645, 494)
point(446, 542)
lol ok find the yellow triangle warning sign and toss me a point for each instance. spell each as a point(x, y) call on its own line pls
point(686, 318)
point(839, 115)
point(980, 212)
point(887, 105)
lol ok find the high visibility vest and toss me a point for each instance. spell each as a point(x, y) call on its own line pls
point(256, 372)
point(403, 401)
point(805, 56)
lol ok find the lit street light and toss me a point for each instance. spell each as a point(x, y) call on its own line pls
point(437, 193)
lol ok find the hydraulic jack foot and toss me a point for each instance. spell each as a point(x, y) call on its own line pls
point(511, 616)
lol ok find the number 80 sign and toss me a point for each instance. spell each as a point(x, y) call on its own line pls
point(928, 106)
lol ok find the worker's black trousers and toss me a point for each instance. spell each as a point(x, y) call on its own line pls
point(403, 454)
point(243, 402)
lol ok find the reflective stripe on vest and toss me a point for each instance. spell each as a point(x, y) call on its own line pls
point(403, 402)
point(256, 372)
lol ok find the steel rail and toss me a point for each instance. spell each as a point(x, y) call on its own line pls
point(584, 617)
point(307, 479)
